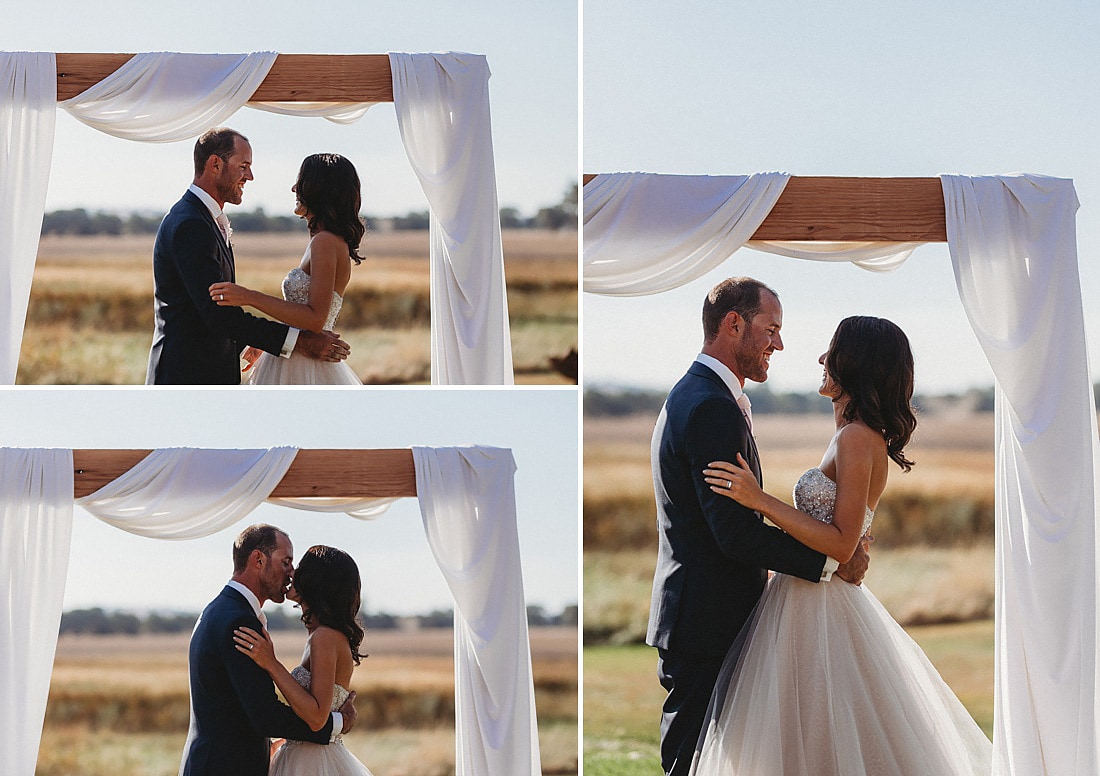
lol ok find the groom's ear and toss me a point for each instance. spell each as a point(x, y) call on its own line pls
point(732, 322)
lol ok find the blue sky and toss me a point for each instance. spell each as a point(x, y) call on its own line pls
point(531, 48)
point(111, 568)
point(855, 88)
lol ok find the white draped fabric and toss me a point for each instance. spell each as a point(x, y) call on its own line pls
point(1013, 247)
point(1014, 250)
point(36, 521)
point(28, 94)
point(645, 233)
point(467, 501)
point(442, 102)
point(468, 507)
point(162, 98)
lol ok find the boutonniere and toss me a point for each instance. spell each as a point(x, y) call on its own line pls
point(229, 236)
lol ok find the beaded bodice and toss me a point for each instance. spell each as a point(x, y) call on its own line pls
point(339, 694)
point(296, 289)
point(815, 494)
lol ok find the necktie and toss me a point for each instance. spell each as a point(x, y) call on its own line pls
point(263, 618)
point(223, 224)
point(746, 408)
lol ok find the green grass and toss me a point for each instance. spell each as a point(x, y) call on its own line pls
point(622, 698)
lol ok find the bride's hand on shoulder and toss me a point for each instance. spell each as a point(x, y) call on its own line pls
point(735, 481)
point(257, 646)
point(227, 294)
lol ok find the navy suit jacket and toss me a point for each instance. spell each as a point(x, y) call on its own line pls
point(713, 553)
point(196, 342)
point(234, 708)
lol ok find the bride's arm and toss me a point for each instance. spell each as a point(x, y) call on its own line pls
point(311, 705)
point(326, 251)
point(838, 539)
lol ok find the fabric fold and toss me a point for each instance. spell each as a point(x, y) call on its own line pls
point(1014, 253)
point(467, 502)
point(36, 523)
point(185, 493)
point(442, 105)
point(28, 113)
point(161, 97)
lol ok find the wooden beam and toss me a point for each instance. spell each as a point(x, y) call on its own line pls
point(314, 473)
point(293, 77)
point(813, 209)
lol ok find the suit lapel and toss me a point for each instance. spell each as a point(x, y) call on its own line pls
point(705, 372)
point(225, 252)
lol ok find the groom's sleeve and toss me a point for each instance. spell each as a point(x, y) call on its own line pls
point(256, 692)
point(194, 249)
point(714, 434)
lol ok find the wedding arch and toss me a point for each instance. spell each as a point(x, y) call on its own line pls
point(467, 503)
point(442, 105)
point(1013, 250)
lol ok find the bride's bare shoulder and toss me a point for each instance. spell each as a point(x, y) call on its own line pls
point(858, 436)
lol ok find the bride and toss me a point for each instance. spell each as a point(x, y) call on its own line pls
point(326, 585)
point(821, 680)
point(327, 196)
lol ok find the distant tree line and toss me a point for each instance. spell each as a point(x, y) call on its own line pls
point(100, 621)
point(82, 222)
point(619, 402)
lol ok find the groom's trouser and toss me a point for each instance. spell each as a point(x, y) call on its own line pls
point(689, 680)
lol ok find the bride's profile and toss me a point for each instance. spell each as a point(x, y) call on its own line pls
point(326, 586)
point(822, 680)
point(327, 196)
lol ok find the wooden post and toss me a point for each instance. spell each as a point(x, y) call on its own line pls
point(314, 473)
point(292, 78)
point(856, 209)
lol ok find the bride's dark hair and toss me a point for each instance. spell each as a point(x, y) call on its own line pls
point(327, 581)
point(870, 360)
point(329, 188)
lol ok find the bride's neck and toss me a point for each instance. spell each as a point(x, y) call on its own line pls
point(839, 405)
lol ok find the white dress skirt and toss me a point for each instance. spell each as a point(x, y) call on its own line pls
point(823, 682)
point(303, 758)
point(299, 369)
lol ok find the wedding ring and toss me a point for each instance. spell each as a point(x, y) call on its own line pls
point(250, 646)
point(221, 297)
point(729, 484)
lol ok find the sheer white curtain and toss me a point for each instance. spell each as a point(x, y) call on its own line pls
point(28, 94)
point(1013, 246)
point(468, 506)
point(442, 102)
point(1014, 250)
point(467, 500)
point(645, 233)
point(36, 520)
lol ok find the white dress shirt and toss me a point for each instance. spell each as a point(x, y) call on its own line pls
point(254, 602)
point(219, 215)
point(734, 384)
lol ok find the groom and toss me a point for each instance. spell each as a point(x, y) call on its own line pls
point(713, 553)
point(195, 341)
point(234, 708)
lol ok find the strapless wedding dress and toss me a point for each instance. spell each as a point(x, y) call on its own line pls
point(300, 369)
point(302, 758)
point(823, 682)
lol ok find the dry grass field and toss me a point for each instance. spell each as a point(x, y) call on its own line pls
point(118, 705)
point(90, 318)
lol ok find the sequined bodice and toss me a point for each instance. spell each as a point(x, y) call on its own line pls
point(815, 494)
point(339, 694)
point(296, 289)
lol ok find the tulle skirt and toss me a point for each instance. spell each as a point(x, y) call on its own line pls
point(823, 682)
point(301, 758)
point(300, 370)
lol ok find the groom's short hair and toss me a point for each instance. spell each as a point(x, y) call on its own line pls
point(262, 537)
point(219, 141)
point(740, 295)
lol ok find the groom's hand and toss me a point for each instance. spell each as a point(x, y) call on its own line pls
point(349, 713)
point(323, 346)
point(854, 570)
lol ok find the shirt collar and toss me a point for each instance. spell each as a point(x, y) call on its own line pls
point(206, 199)
point(249, 596)
point(723, 371)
